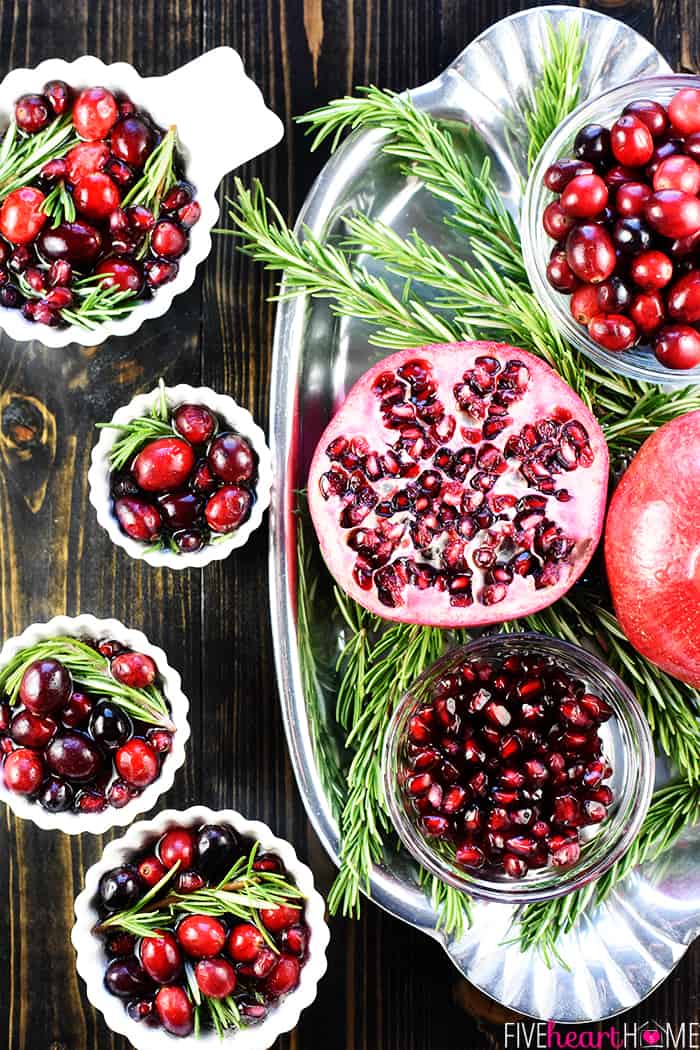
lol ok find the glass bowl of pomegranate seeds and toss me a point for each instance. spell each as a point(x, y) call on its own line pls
point(201, 925)
point(108, 189)
point(181, 476)
point(93, 724)
point(611, 229)
point(518, 767)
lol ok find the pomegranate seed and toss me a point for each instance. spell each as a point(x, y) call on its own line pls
point(514, 866)
point(470, 856)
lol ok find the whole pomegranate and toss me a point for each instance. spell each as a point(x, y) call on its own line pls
point(459, 485)
point(652, 549)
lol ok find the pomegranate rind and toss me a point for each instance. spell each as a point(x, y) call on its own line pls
point(360, 417)
point(652, 549)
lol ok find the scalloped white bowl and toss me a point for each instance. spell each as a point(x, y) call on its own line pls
point(237, 418)
point(92, 959)
point(97, 823)
point(213, 141)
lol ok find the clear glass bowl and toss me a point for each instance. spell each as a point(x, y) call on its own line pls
point(627, 745)
point(639, 361)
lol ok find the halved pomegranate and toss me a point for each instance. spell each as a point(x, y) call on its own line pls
point(458, 485)
point(652, 549)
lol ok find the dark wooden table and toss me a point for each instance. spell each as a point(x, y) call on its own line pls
point(388, 987)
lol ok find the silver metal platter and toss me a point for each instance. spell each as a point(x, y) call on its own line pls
point(621, 952)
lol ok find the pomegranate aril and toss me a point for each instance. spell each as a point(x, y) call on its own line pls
point(594, 812)
point(419, 784)
point(568, 853)
point(470, 856)
point(455, 798)
point(602, 794)
point(515, 866)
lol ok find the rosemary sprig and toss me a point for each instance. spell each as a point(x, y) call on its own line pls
point(97, 303)
point(59, 204)
point(672, 809)
point(158, 176)
point(23, 156)
point(135, 432)
point(89, 669)
point(556, 94)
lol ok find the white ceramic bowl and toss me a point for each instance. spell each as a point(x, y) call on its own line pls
point(214, 139)
point(86, 626)
point(92, 959)
point(237, 418)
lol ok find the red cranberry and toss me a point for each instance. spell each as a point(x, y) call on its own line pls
point(584, 197)
point(96, 196)
point(188, 882)
point(32, 113)
point(618, 175)
point(295, 939)
point(140, 218)
point(35, 279)
point(161, 740)
point(682, 247)
point(590, 253)
point(137, 519)
point(137, 763)
point(24, 771)
point(86, 159)
point(168, 240)
point(584, 303)
point(134, 669)
point(175, 1010)
point(175, 198)
point(121, 944)
point(45, 687)
point(189, 541)
point(284, 978)
point(161, 958)
point(55, 169)
point(119, 794)
point(132, 140)
point(216, 978)
point(90, 802)
point(651, 269)
point(10, 295)
point(77, 242)
point(559, 273)
point(227, 508)
point(195, 422)
point(613, 296)
point(691, 146)
point(21, 215)
point(119, 172)
point(159, 272)
point(647, 312)
point(678, 346)
point(650, 113)
point(5, 717)
point(177, 845)
point(558, 175)
point(673, 213)
point(127, 276)
point(151, 871)
point(630, 199)
point(556, 222)
point(683, 300)
point(231, 458)
point(631, 141)
point(201, 936)
point(244, 943)
point(678, 173)
point(58, 298)
point(74, 756)
point(77, 711)
point(59, 95)
point(277, 919)
point(127, 978)
point(163, 464)
point(95, 112)
point(592, 143)
point(22, 257)
point(189, 214)
point(180, 510)
point(684, 110)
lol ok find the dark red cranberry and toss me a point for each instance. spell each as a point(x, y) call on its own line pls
point(177, 845)
point(159, 272)
point(35, 731)
point(279, 918)
point(195, 423)
point(678, 347)
point(189, 214)
point(46, 686)
point(228, 508)
point(201, 936)
point(161, 958)
point(216, 850)
point(127, 979)
point(631, 198)
point(59, 95)
point(35, 279)
point(203, 479)
point(631, 236)
point(613, 296)
point(691, 146)
point(77, 711)
point(136, 670)
point(55, 169)
point(23, 771)
point(618, 175)
point(95, 112)
point(175, 1010)
point(32, 113)
point(90, 802)
point(110, 727)
point(5, 717)
point(10, 296)
point(673, 213)
point(181, 510)
point(284, 978)
point(120, 944)
point(179, 195)
point(143, 1010)
point(119, 172)
point(138, 519)
point(73, 756)
point(216, 978)
point(231, 458)
point(651, 270)
point(631, 141)
point(556, 222)
point(592, 143)
point(163, 464)
point(151, 871)
point(132, 140)
point(650, 113)
point(253, 1011)
point(295, 939)
point(168, 240)
point(120, 888)
point(137, 763)
point(119, 794)
point(584, 197)
point(127, 276)
point(21, 259)
point(140, 218)
point(189, 541)
point(559, 175)
point(590, 253)
point(559, 273)
point(76, 242)
point(86, 158)
point(683, 301)
point(160, 740)
point(188, 882)
point(647, 312)
point(262, 965)
point(58, 298)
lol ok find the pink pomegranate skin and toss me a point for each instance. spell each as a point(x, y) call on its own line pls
point(652, 549)
point(458, 592)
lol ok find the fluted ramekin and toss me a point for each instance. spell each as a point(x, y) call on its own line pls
point(92, 960)
point(214, 139)
point(235, 417)
point(86, 626)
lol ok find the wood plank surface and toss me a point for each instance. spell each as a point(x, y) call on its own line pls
point(388, 987)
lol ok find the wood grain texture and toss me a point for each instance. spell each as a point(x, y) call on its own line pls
point(388, 987)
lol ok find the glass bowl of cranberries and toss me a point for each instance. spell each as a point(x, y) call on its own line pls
point(200, 925)
point(611, 229)
point(518, 768)
point(108, 188)
point(93, 724)
point(181, 476)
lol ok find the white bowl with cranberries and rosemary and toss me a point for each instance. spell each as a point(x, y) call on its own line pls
point(93, 724)
point(107, 189)
point(611, 229)
point(180, 476)
point(518, 767)
point(200, 924)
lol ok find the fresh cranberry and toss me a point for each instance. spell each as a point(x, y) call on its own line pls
point(163, 464)
point(618, 175)
point(613, 296)
point(86, 159)
point(134, 669)
point(24, 771)
point(168, 240)
point(119, 794)
point(59, 95)
point(683, 300)
point(216, 978)
point(161, 740)
point(556, 222)
point(21, 215)
point(21, 258)
point(262, 965)
point(10, 295)
point(137, 519)
point(201, 936)
point(45, 687)
point(284, 978)
point(673, 213)
point(140, 218)
point(5, 717)
point(77, 711)
point(650, 113)
point(684, 110)
point(188, 882)
point(651, 270)
point(32, 113)
point(127, 978)
point(590, 253)
point(161, 958)
point(277, 919)
point(159, 272)
point(180, 510)
point(77, 242)
point(55, 169)
point(647, 312)
point(584, 303)
point(691, 146)
point(176, 197)
point(74, 756)
point(119, 172)
point(631, 236)
point(151, 871)
point(127, 276)
point(631, 198)
point(132, 140)
point(244, 943)
point(96, 196)
point(678, 347)
point(189, 541)
point(35, 279)
point(176, 845)
point(592, 143)
point(678, 173)
point(175, 1010)
point(231, 458)
point(95, 113)
point(189, 214)
point(295, 939)
point(558, 175)
point(195, 422)
point(559, 273)
point(137, 763)
point(631, 141)
point(227, 508)
point(269, 863)
point(584, 197)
